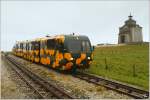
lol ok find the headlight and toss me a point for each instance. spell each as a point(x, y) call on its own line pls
point(71, 58)
point(88, 58)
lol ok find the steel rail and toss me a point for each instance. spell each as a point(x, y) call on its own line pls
point(121, 88)
point(21, 75)
point(57, 92)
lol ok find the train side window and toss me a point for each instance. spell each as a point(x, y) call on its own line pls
point(21, 45)
point(33, 46)
point(36, 45)
point(27, 46)
point(60, 46)
point(30, 46)
point(41, 44)
point(16, 46)
point(24, 46)
point(83, 46)
point(45, 46)
point(88, 46)
point(51, 44)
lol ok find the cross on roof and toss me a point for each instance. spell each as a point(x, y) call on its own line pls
point(130, 17)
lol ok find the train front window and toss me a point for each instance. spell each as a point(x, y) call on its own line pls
point(79, 46)
point(74, 46)
point(86, 46)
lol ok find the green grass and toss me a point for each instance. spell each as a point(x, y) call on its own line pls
point(116, 62)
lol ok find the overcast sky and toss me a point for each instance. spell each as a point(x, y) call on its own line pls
point(99, 20)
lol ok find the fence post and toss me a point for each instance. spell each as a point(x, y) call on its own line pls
point(106, 66)
point(134, 70)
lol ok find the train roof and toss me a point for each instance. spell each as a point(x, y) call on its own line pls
point(82, 36)
point(67, 37)
point(76, 37)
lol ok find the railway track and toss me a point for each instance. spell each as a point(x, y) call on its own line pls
point(44, 89)
point(121, 88)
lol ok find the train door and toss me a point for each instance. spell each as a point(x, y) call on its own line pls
point(18, 50)
point(27, 50)
point(24, 50)
point(30, 49)
point(58, 54)
point(42, 52)
point(51, 51)
point(37, 51)
point(17, 47)
point(21, 49)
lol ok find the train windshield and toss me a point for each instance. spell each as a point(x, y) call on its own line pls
point(86, 46)
point(79, 46)
point(74, 46)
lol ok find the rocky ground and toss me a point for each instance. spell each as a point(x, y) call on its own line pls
point(74, 86)
point(12, 87)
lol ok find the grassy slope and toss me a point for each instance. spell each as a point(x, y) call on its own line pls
point(120, 61)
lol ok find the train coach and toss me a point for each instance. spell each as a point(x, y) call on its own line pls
point(64, 52)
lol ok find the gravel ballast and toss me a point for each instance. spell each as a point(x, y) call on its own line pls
point(74, 86)
point(12, 87)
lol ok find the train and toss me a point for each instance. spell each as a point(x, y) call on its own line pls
point(63, 52)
